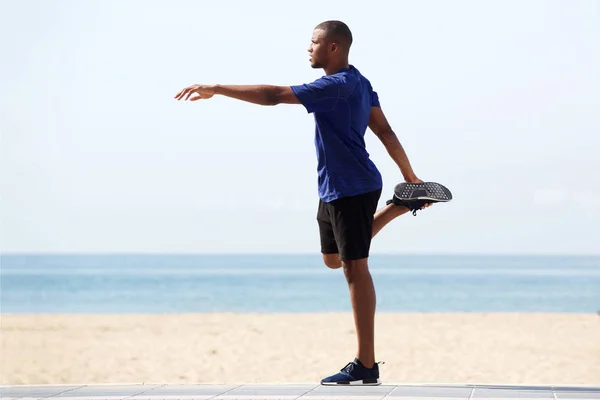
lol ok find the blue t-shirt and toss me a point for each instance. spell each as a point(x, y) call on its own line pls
point(341, 104)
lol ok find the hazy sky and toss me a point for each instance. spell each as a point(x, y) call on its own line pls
point(498, 100)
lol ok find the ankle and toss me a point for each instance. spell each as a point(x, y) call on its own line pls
point(367, 363)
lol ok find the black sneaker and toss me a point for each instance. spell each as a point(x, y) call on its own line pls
point(354, 373)
point(415, 195)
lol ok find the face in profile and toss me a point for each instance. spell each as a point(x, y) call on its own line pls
point(319, 50)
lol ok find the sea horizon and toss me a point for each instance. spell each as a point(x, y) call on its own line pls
point(148, 283)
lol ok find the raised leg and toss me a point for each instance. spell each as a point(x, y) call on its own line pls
point(386, 215)
point(382, 217)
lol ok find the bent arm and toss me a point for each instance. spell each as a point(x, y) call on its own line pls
point(382, 129)
point(265, 95)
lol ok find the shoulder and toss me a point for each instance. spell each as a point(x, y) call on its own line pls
point(367, 88)
point(354, 80)
point(325, 86)
point(362, 78)
point(331, 80)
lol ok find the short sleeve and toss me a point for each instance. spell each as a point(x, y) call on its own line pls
point(320, 95)
point(375, 99)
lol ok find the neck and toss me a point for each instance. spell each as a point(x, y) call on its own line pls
point(336, 66)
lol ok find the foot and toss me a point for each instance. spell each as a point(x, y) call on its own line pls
point(416, 195)
point(354, 373)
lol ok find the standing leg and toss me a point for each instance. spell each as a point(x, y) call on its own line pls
point(363, 299)
point(362, 290)
point(352, 224)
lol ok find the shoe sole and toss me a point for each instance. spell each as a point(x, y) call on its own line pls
point(364, 382)
point(431, 191)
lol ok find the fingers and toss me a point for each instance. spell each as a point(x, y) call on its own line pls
point(180, 94)
point(200, 94)
point(187, 91)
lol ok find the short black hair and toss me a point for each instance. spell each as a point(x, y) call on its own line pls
point(337, 31)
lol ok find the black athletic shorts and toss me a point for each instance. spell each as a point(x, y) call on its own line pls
point(346, 225)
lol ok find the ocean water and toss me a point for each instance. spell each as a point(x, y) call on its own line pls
point(92, 284)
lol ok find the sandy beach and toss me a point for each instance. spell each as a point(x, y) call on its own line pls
point(266, 348)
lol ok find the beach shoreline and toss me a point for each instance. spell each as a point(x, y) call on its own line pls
point(425, 348)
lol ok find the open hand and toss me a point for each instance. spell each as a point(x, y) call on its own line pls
point(202, 92)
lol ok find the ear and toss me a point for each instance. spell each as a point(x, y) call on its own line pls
point(334, 47)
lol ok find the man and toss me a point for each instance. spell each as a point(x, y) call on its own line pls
point(349, 184)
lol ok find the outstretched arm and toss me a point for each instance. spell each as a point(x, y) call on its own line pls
point(265, 95)
point(382, 129)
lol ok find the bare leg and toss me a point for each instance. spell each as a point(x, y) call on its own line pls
point(362, 297)
point(386, 215)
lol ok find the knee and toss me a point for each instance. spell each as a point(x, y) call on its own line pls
point(355, 269)
point(332, 261)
